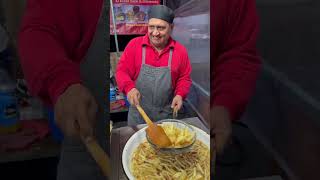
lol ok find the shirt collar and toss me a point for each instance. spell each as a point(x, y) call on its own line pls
point(145, 41)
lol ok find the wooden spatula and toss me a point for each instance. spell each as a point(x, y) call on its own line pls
point(99, 155)
point(155, 132)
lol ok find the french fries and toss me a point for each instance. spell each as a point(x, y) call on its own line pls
point(179, 137)
point(150, 164)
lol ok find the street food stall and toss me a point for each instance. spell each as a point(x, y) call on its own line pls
point(191, 28)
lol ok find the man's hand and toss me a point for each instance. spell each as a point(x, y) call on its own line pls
point(134, 96)
point(220, 128)
point(75, 111)
point(177, 102)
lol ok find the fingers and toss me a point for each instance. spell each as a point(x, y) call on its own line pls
point(130, 98)
point(139, 97)
point(84, 121)
point(221, 127)
point(221, 140)
point(179, 105)
point(223, 137)
point(217, 139)
point(64, 119)
point(75, 111)
point(177, 102)
point(173, 104)
point(66, 123)
point(134, 96)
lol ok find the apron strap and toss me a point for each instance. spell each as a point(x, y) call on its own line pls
point(170, 58)
point(143, 54)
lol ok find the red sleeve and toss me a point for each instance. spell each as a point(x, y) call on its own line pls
point(237, 64)
point(46, 66)
point(126, 68)
point(184, 80)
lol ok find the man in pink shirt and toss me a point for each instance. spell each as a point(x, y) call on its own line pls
point(154, 70)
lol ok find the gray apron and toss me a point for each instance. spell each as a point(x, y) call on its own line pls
point(75, 162)
point(155, 87)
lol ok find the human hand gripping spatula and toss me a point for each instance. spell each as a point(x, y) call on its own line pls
point(155, 132)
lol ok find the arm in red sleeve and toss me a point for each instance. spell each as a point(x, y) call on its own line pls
point(237, 65)
point(45, 63)
point(184, 80)
point(126, 68)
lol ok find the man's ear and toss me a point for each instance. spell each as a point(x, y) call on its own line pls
point(172, 26)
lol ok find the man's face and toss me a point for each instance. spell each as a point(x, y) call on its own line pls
point(159, 32)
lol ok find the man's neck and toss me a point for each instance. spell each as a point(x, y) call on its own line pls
point(159, 49)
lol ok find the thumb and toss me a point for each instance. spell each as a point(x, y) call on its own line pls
point(139, 96)
point(135, 100)
point(85, 127)
point(174, 102)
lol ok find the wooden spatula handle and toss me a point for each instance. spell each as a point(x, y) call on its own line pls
point(99, 155)
point(144, 115)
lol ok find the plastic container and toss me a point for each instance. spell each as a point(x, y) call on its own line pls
point(113, 93)
point(9, 121)
point(55, 131)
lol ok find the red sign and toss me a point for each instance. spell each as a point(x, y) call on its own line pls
point(131, 16)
